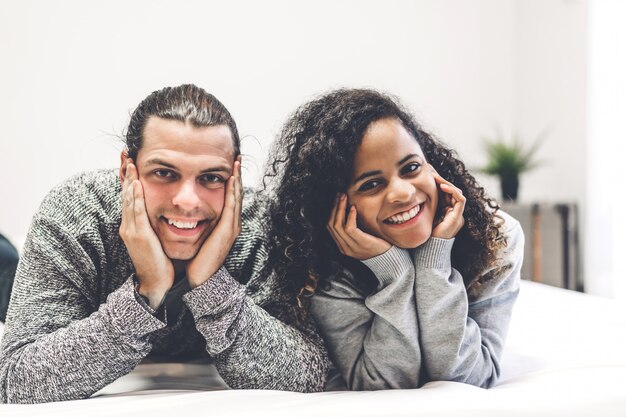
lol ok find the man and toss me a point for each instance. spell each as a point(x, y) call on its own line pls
point(115, 268)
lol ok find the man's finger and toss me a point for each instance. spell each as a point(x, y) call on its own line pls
point(229, 204)
point(238, 193)
point(139, 207)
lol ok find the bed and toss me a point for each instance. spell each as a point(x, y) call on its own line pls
point(565, 355)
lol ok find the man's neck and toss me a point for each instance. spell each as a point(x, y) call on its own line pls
point(180, 269)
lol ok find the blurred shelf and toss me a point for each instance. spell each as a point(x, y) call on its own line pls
point(552, 250)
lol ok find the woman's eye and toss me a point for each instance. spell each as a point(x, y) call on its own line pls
point(370, 185)
point(411, 168)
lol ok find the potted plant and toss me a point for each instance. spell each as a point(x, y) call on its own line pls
point(509, 159)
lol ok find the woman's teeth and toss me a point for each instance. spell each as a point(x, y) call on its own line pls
point(403, 217)
point(182, 225)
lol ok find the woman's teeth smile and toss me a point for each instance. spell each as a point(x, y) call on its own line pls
point(404, 216)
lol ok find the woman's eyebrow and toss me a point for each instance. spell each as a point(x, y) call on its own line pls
point(365, 175)
point(406, 158)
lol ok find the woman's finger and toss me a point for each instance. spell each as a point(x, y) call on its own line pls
point(333, 214)
point(340, 214)
point(332, 228)
point(355, 236)
point(350, 231)
point(339, 225)
point(441, 180)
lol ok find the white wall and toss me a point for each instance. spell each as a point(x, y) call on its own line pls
point(550, 93)
point(606, 149)
point(71, 70)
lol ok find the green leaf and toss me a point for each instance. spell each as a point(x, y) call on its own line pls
point(510, 158)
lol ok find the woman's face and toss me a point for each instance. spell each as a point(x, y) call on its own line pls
point(392, 186)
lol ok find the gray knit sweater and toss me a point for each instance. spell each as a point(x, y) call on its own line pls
point(421, 323)
point(75, 323)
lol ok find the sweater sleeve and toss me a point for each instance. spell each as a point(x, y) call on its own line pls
point(57, 345)
point(373, 339)
point(253, 349)
point(462, 332)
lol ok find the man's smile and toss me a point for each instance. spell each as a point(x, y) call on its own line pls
point(185, 227)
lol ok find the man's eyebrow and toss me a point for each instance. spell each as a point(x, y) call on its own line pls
point(373, 173)
point(156, 161)
point(219, 168)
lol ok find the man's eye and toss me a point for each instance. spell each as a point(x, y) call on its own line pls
point(411, 168)
point(369, 185)
point(212, 180)
point(164, 173)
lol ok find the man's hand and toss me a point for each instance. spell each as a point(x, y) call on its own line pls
point(215, 249)
point(452, 207)
point(350, 240)
point(153, 268)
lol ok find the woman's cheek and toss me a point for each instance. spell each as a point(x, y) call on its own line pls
point(366, 220)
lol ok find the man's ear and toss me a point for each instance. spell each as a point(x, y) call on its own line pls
point(123, 162)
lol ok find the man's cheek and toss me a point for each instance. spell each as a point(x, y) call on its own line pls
point(148, 199)
point(215, 201)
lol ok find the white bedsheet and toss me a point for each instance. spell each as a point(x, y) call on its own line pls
point(564, 357)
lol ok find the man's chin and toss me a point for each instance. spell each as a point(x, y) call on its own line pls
point(181, 253)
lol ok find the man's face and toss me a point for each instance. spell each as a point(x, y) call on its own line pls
point(183, 170)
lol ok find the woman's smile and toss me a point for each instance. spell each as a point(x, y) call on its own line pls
point(392, 187)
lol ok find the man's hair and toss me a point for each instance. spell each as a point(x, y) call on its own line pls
point(186, 103)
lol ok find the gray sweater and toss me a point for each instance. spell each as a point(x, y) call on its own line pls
point(420, 323)
point(75, 323)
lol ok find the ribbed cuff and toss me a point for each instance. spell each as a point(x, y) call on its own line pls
point(215, 294)
point(127, 314)
point(390, 265)
point(160, 312)
point(434, 253)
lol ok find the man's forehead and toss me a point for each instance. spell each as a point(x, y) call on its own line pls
point(163, 135)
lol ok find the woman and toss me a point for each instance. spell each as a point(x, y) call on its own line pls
point(412, 270)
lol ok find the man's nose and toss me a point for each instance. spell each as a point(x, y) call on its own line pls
point(186, 196)
point(400, 191)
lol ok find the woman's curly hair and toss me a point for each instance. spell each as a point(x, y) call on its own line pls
point(313, 160)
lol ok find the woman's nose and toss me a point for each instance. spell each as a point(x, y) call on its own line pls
point(400, 191)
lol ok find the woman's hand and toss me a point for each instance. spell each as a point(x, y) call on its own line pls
point(452, 205)
point(350, 240)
